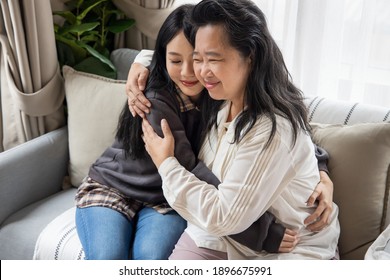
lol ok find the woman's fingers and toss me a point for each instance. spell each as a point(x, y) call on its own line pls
point(135, 84)
point(290, 240)
point(159, 148)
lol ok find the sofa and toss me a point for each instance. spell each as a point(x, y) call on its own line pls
point(38, 179)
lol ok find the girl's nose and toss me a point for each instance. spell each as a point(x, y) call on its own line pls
point(187, 70)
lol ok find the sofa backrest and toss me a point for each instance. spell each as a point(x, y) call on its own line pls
point(324, 110)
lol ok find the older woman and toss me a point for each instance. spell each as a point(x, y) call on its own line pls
point(256, 142)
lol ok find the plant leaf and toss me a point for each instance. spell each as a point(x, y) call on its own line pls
point(65, 54)
point(79, 28)
point(115, 12)
point(86, 11)
point(120, 25)
point(79, 52)
point(67, 15)
point(95, 66)
point(91, 37)
point(97, 54)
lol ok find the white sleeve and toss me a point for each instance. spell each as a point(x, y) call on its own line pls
point(247, 191)
point(144, 57)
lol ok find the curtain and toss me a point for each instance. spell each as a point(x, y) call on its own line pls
point(31, 84)
point(335, 48)
point(149, 16)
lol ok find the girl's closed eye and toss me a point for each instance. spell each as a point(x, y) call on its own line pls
point(175, 61)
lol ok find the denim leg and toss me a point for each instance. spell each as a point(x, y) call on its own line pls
point(105, 234)
point(156, 234)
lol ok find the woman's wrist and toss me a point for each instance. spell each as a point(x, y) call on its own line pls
point(166, 165)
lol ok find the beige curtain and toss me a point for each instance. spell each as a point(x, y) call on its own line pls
point(149, 15)
point(32, 90)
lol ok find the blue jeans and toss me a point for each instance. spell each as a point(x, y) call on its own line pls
point(106, 234)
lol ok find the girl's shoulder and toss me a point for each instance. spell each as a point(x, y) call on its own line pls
point(160, 98)
point(162, 95)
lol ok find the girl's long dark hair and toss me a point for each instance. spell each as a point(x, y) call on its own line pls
point(269, 90)
point(129, 129)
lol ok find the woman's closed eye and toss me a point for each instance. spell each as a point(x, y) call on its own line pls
point(197, 60)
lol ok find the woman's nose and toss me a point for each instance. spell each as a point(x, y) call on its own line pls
point(205, 70)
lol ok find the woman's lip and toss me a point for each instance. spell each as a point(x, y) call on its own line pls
point(209, 85)
point(189, 84)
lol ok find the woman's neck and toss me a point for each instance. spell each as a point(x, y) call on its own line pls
point(235, 109)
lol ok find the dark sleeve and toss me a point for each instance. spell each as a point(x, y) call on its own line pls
point(322, 158)
point(166, 109)
point(263, 234)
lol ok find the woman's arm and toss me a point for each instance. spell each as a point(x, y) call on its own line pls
point(136, 82)
point(220, 211)
point(263, 234)
point(139, 105)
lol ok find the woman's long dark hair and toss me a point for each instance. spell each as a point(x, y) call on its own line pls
point(269, 90)
point(129, 129)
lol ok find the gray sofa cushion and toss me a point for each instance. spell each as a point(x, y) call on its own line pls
point(21, 230)
point(122, 59)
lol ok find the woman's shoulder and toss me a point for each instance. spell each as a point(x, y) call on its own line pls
point(264, 126)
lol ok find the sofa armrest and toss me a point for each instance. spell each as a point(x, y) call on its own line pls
point(32, 171)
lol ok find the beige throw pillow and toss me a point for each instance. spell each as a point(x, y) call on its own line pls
point(359, 160)
point(94, 104)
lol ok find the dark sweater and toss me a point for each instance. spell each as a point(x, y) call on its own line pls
point(139, 178)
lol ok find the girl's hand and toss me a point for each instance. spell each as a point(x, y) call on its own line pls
point(158, 148)
point(324, 194)
point(290, 240)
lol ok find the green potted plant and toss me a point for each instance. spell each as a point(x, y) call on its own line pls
point(85, 39)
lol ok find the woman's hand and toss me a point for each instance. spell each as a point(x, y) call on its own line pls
point(290, 240)
point(135, 84)
point(158, 148)
point(324, 194)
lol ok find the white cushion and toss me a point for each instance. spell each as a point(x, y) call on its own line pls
point(359, 160)
point(59, 239)
point(94, 104)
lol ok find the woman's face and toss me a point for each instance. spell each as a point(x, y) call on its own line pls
point(220, 67)
point(179, 64)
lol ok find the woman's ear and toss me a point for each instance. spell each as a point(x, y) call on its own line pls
point(249, 60)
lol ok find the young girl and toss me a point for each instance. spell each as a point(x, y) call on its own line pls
point(256, 142)
point(121, 211)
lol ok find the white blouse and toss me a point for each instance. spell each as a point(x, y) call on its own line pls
point(279, 178)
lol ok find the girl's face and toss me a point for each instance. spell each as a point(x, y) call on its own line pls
point(219, 66)
point(180, 68)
